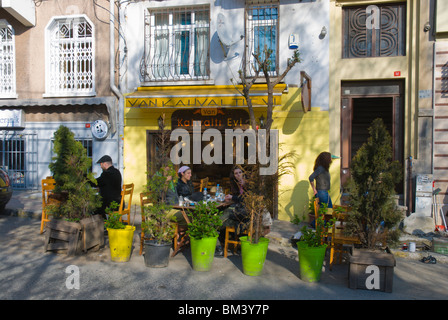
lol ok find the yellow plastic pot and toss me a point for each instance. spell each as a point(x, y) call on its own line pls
point(120, 243)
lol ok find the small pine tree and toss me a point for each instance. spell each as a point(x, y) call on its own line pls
point(372, 187)
point(70, 169)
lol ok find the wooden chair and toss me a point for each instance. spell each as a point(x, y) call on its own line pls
point(48, 185)
point(338, 239)
point(204, 184)
point(144, 200)
point(228, 241)
point(126, 202)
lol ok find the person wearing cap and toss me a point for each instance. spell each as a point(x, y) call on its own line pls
point(322, 177)
point(109, 184)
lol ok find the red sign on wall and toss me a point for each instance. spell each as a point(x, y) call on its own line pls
point(397, 73)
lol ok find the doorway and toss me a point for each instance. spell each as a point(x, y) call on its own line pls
point(361, 103)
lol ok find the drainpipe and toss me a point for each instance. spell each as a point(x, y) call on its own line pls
point(113, 87)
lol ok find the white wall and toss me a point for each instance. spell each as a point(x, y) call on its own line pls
point(305, 18)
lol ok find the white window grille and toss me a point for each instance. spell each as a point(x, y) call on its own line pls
point(262, 34)
point(7, 61)
point(177, 43)
point(70, 57)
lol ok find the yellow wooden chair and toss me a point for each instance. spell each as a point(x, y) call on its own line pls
point(204, 184)
point(228, 241)
point(338, 239)
point(126, 202)
point(48, 186)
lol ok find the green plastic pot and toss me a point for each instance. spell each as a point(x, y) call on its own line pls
point(253, 255)
point(202, 252)
point(311, 260)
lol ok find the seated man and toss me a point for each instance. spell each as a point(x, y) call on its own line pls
point(109, 184)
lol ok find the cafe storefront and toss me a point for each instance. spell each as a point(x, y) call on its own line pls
point(220, 108)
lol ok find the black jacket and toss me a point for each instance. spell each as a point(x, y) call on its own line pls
point(184, 189)
point(109, 183)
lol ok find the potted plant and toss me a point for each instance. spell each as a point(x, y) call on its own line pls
point(312, 248)
point(120, 235)
point(160, 225)
point(203, 232)
point(254, 247)
point(77, 199)
point(374, 216)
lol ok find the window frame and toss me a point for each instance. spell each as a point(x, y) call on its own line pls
point(12, 83)
point(372, 37)
point(250, 26)
point(51, 72)
point(173, 67)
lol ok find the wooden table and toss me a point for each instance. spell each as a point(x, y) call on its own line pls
point(184, 240)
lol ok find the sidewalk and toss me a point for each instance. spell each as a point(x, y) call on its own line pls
point(30, 273)
point(28, 203)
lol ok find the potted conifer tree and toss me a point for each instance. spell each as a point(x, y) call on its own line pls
point(375, 216)
point(74, 226)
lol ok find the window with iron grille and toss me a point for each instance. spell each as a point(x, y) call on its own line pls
point(70, 57)
point(7, 61)
point(262, 35)
point(177, 44)
point(374, 31)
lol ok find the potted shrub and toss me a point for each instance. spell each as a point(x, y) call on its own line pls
point(120, 235)
point(159, 225)
point(78, 200)
point(254, 247)
point(312, 248)
point(203, 232)
point(374, 217)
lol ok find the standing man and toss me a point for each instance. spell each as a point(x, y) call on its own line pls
point(109, 184)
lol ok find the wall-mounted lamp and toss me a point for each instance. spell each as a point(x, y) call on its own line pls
point(323, 33)
point(261, 120)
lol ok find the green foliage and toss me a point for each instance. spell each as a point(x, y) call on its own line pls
point(205, 221)
point(314, 238)
point(113, 220)
point(71, 171)
point(372, 187)
point(159, 225)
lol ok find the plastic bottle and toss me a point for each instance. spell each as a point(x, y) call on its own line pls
point(205, 194)
point(218, 193)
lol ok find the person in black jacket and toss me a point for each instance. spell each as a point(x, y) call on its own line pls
point(109, 184)
point(184, 185)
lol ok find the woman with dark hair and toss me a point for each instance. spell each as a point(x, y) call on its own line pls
point(238, 184)
point(184, 185)
point(236, 215)
point(322, 177)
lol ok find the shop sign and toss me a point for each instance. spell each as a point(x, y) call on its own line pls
point(218, 118)
point(12, 119)
point(198, 102)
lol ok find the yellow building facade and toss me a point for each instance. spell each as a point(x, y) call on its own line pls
point(305, 133)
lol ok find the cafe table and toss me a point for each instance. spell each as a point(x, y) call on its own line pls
point(184, 240)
